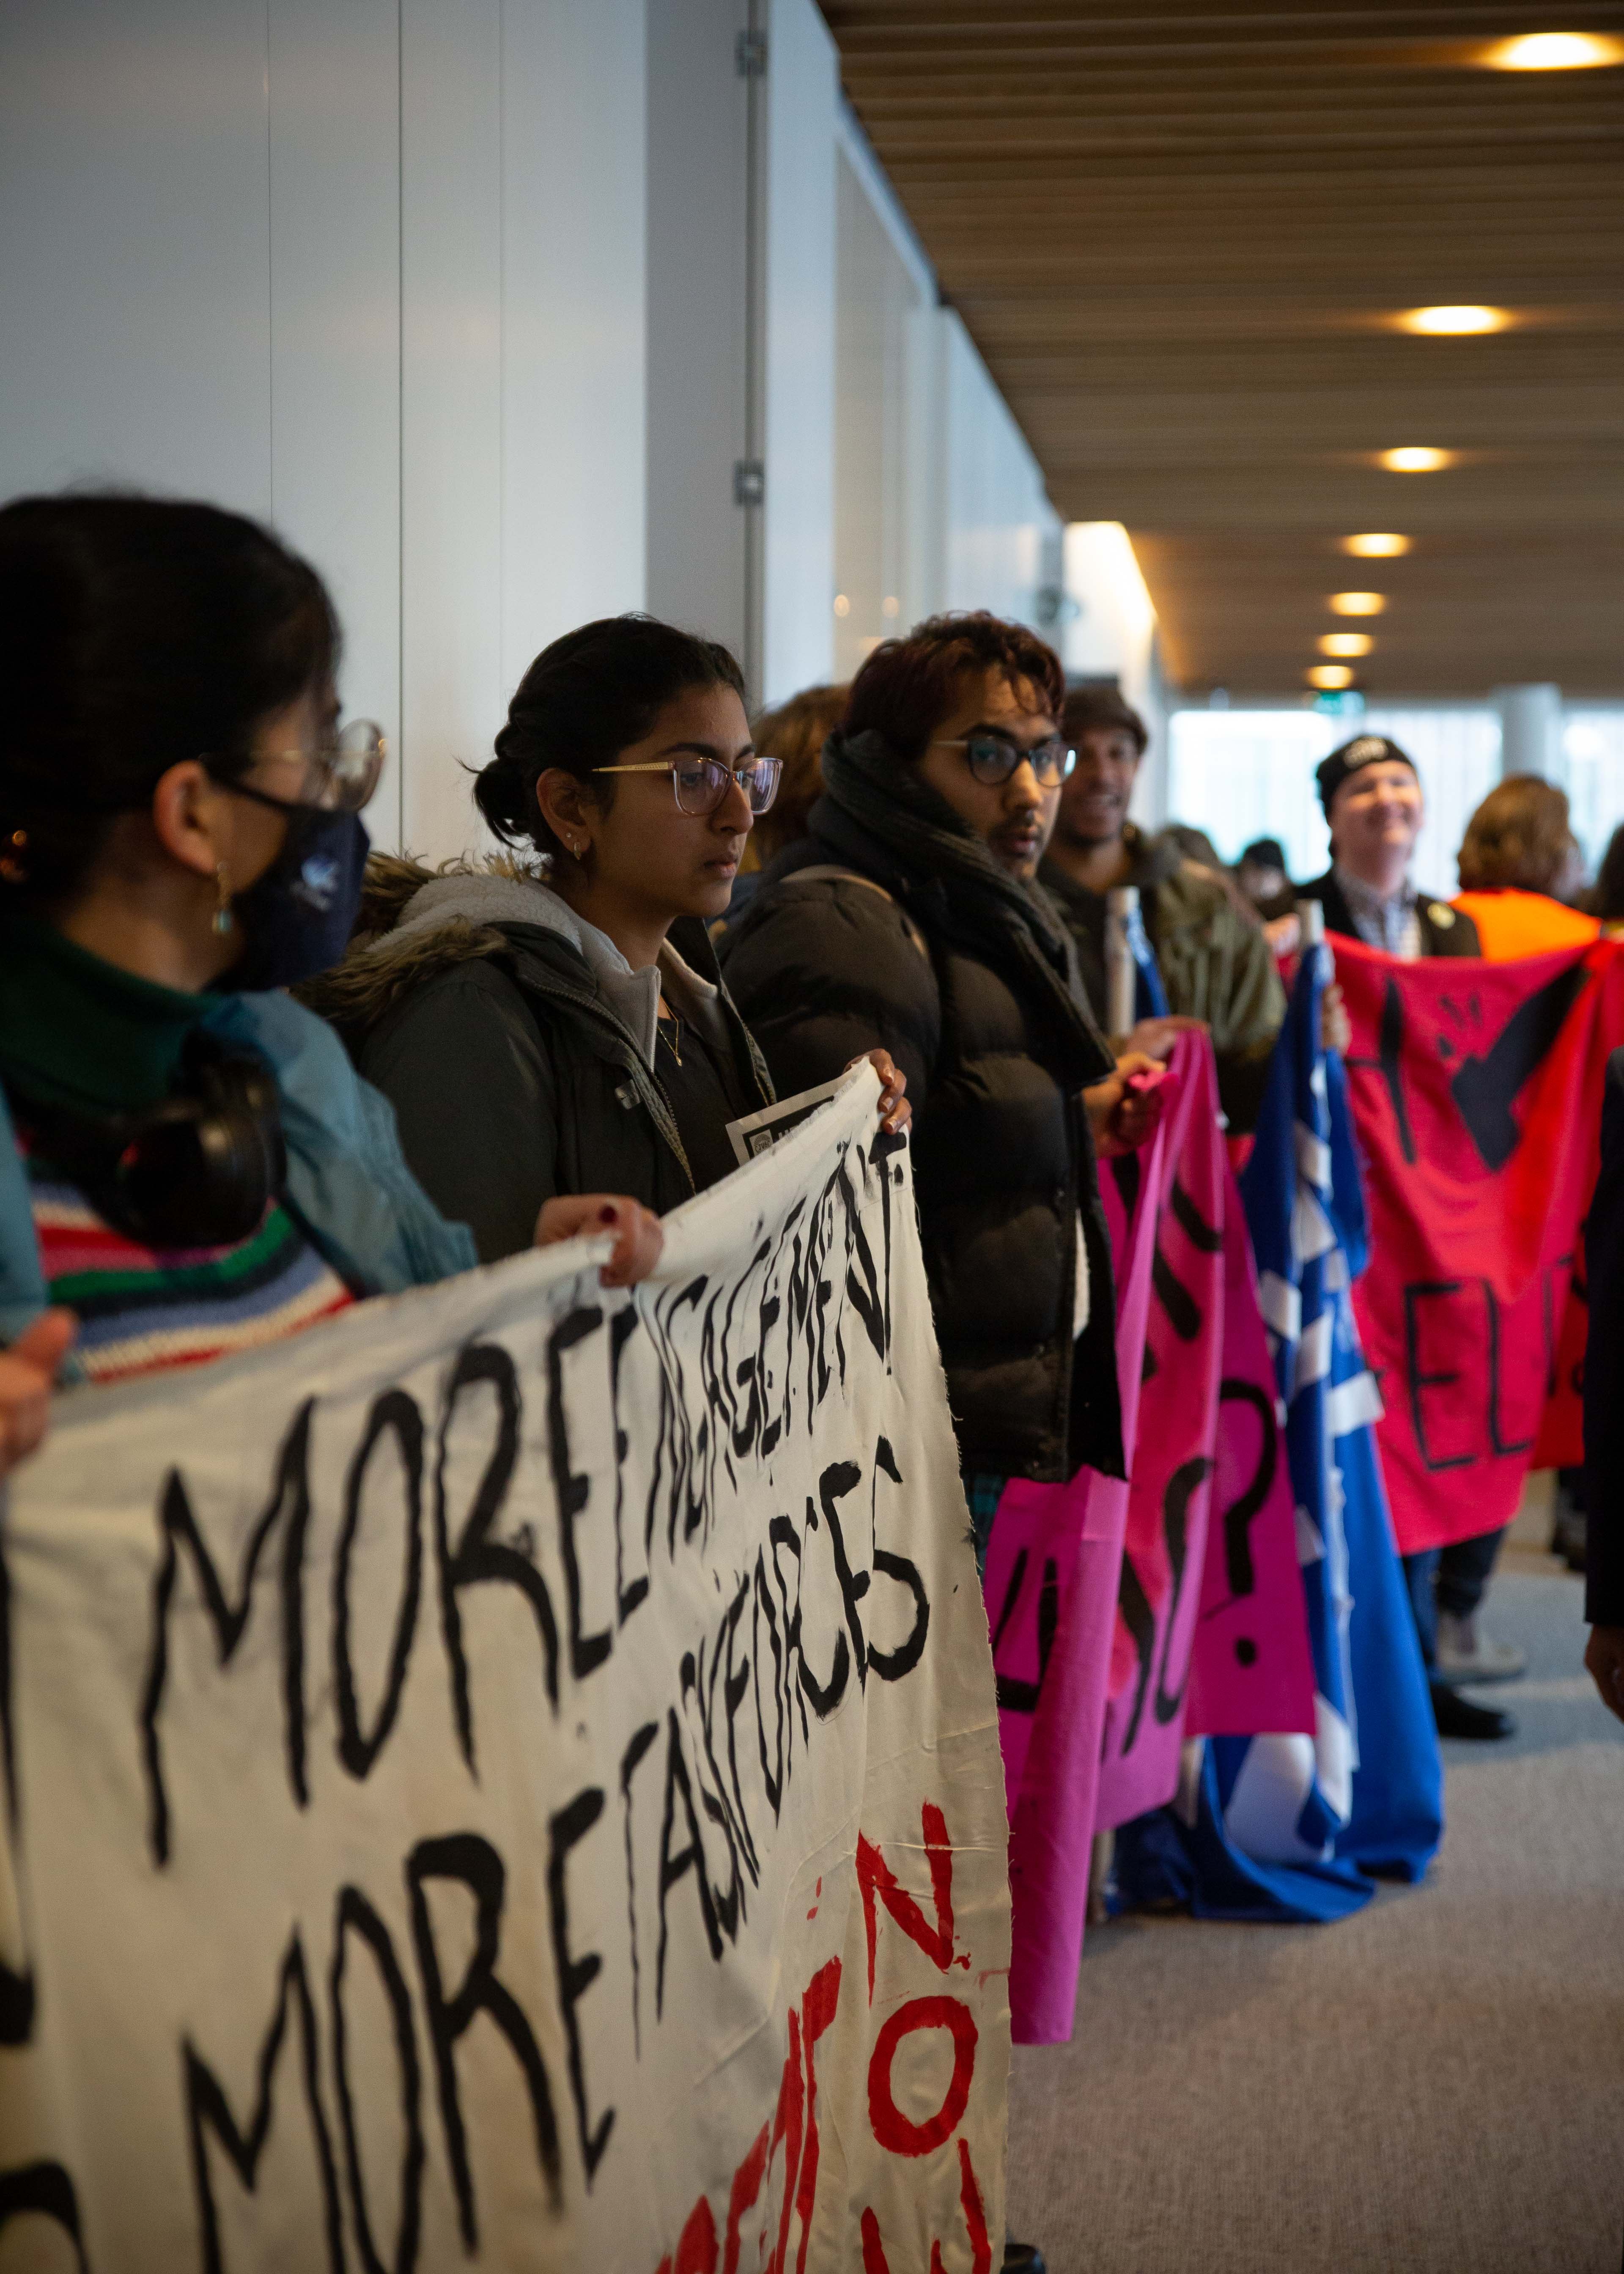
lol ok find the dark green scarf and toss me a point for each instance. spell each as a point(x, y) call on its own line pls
point(884, 794)
point(78, 1031)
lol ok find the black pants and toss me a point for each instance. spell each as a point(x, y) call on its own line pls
point(1452, 1579)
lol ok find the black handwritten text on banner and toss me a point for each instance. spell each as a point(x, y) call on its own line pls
point(509, 1777)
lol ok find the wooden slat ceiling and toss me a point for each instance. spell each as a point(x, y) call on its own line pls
point(1179, 234)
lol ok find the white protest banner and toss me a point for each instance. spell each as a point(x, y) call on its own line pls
point(509, 1777)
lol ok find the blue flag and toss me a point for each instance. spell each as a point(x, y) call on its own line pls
point(1149, 995)
point(1287, 1827)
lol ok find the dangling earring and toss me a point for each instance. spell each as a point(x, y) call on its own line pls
point(224, 920)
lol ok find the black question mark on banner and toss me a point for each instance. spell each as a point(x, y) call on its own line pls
point(1238, 1566)
point(1015, 1695)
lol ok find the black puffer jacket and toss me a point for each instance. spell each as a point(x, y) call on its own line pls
point(823, 966)
point(513, 1060)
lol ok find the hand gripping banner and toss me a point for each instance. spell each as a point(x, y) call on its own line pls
point(509, 1778)
point(1476, 1095)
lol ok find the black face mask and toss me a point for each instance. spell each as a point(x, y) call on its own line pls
point(296, 919)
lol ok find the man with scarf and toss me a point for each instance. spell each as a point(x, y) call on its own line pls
point(909, 917)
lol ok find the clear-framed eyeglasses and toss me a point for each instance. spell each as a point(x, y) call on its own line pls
point(339, 774)
point(699, 785)
point(993, 759)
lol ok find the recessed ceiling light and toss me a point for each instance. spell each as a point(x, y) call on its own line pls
point(1355, 604)
point(1328, 675)
point(1540, 52)
point(1344, 642)
point(1376, 544)
point(1453, 323)
point(1412, 459)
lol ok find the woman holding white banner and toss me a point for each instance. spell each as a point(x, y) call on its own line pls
point(558, 1020)
point(188, 1164)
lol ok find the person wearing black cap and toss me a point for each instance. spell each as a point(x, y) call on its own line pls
point(1372, 795)
point(1260, 872)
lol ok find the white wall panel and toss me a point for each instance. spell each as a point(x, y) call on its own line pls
point(698, 190)
point(926, 500)
point(459, 293)
point(998, 514)
point(877, 300)
point(452, 694)
point(335, 337)
point(575, 342)
point(134, 247)
point(803, 86)
point(914, 417)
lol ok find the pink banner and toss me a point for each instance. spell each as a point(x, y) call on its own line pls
point(1093, 1703)
point(1251, 1667)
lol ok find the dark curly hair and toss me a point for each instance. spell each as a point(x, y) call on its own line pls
point(907, 686)
point(586, 698)
point(135, 633)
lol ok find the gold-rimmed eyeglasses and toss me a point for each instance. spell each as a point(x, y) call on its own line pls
point(339, 774)
point(699, 785)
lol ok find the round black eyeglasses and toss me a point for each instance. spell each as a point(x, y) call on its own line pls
point(993, 759)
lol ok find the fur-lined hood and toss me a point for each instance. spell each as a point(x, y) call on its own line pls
point(415, 920)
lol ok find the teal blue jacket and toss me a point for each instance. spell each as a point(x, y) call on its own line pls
point(348, 1185)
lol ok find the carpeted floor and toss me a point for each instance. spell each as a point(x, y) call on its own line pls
point(1435, 2086)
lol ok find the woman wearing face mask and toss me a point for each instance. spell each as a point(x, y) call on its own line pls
point(557, 1021)
point(187, 1162)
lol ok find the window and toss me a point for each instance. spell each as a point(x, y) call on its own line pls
point(1593, 751)
point(1241, 774)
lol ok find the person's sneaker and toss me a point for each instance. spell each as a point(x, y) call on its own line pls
point(1466, 1654)
point(1458, 1717)
point(1024, 2258)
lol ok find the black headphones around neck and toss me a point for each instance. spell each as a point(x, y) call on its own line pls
point(197, 1171)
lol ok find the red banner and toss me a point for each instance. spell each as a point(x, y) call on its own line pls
point(1476, 1095)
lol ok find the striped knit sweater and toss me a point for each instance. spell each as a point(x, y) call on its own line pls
point(142, 1310)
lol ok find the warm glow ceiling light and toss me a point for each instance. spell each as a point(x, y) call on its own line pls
point(1329, 675)
point(1376, 544)
point(1355, 604)
point(1345, 643)
point(1555, 51)
point(1414, 460)
point(1453, 323)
